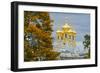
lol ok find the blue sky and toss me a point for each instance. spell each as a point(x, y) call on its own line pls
point(79, 21)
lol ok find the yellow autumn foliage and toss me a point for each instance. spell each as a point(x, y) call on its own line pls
point(43, 50)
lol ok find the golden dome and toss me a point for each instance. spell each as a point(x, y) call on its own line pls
point(72, 31)
point(59, 31)
point(66, 26)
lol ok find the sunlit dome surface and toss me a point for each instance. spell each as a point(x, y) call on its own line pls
point(59, 31)
point(66, 26)
point(72, 31)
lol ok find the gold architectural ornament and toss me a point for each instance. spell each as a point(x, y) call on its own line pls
point(67, 35)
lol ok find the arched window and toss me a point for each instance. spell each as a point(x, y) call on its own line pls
point(61, 38)
point(69, 36)
point(65, 35)
point(58, 37)
point(73, 37)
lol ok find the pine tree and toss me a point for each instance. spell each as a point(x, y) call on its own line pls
point(37, 37)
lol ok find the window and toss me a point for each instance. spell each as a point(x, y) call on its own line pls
point(65, 35)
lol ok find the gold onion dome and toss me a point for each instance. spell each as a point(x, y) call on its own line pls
point(59, 31)
point(66, 26)
point(72, 31)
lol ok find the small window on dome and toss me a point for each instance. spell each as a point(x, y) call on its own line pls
point(73, 37)
point(65, 35)
point(58, 37)
point(61, 38)
point(69, 37)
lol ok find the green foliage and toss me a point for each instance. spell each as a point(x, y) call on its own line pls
point(38, 40)
point(86, 44)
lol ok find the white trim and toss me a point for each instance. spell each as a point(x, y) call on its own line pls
point(22, 64)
